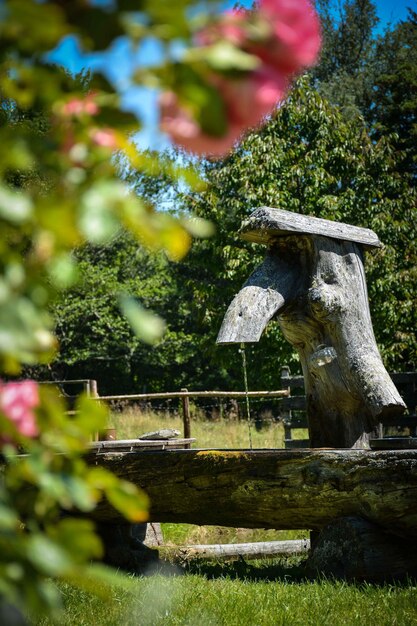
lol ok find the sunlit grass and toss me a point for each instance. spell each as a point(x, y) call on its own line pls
point(216, 433)
point(195, 600)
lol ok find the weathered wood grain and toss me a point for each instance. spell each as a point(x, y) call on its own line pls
point(266, 224)
point(272, 285)
point(283, 489)
point(354, 549)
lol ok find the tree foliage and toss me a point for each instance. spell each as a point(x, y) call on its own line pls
point(309, 159)
point(394, 103)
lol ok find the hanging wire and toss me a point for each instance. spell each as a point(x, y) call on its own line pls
point(245, 379)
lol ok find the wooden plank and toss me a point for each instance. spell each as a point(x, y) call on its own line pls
point(132, 445)
point(247, 551)
point(266, 224)
point(296, 444)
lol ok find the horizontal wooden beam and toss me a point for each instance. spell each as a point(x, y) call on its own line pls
point(247, 551)
point(283, 489)
point(266, 224)
point(281, 393)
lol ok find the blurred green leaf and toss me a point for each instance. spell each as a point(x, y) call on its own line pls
point(77, 537)
point(8, 518)
point(146, 325)
point(16, 207)
point(223, 55)
point(47, 556)
point(199, 227)
point(63, 271)
point(98, 206)
point(129, 500)
point(91, 415)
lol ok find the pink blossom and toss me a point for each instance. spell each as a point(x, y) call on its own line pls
point(104, 137)
point(290, 43)
point(231, 26)
point(295, 39)
point(250, 99)
point(17, 401)
point(186, 132)
point(247, 102)
point(78, 106)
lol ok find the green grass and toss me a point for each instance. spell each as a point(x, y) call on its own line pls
point(195, 600)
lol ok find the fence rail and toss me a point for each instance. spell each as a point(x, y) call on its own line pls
point(197, 394)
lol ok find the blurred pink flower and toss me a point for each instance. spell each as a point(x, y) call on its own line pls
point(295, 38)
point(250, 99)
point(186, 133)
point(247, 102)
point(231, 26)
point(105, 137)
point(290, 43)
point(78, 106)
point(17, 401)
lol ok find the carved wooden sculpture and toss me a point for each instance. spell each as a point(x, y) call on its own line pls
point(313, 280)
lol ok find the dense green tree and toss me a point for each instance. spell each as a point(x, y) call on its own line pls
point(96, 340)
point(345, 74)
point(394, 101)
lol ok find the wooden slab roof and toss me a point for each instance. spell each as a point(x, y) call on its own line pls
point(267, 223)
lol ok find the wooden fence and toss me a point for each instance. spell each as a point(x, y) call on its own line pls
point(90, 387)
point(185, 396)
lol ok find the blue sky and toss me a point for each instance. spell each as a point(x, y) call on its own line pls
point(119, 62)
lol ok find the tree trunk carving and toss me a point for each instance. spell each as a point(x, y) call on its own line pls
point(313, 280)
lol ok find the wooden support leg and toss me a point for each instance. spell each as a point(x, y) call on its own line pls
point(125, 551)
point(354, 549)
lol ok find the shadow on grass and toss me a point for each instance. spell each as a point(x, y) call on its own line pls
point(290, 571)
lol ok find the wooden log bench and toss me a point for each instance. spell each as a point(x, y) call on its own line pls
point(368, 492)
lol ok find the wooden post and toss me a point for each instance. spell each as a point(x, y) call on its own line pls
point(186, 415)
point(354, 549)
point(92, 392)
point(92, 389)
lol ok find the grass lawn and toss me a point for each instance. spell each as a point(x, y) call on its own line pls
point(255, 597)
point(209, 433)
point(254, 593)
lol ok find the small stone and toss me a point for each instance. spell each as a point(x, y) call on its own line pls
point(164, 433)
